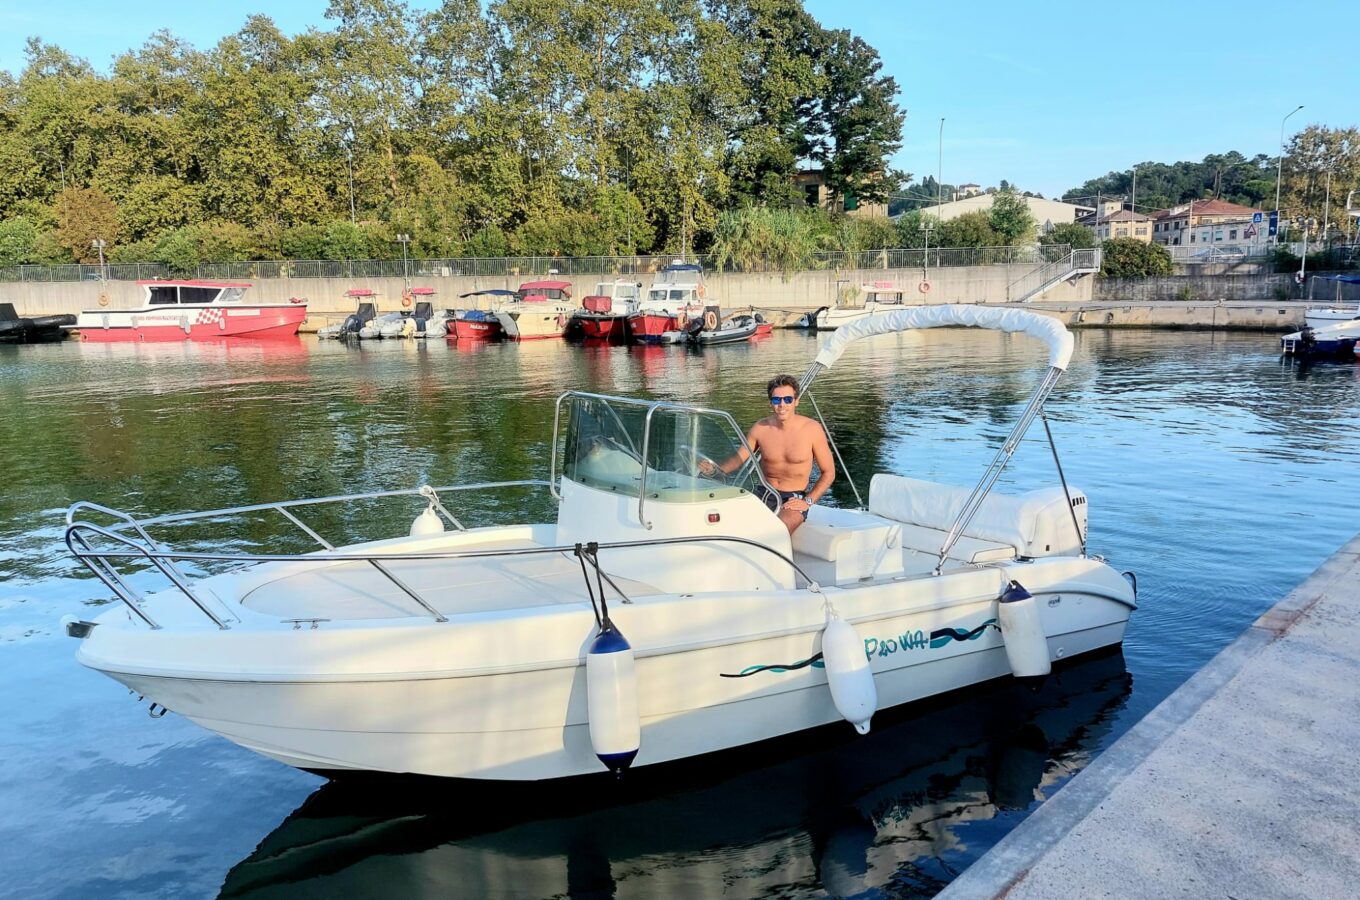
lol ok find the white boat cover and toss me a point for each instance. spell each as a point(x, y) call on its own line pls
point(1050, 331)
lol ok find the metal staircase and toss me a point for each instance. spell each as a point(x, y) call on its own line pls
point(1050, 275)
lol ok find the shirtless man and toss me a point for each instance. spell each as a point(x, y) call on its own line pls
point(788, 443)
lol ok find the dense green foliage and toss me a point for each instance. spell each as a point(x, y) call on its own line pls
point(1073, 234)
point(532, 126)
point(1132, 258)
point(1227, 176)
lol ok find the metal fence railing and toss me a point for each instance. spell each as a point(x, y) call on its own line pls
point(1217, 253)
point(531, 266)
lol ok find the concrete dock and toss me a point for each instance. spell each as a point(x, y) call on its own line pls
point(1244, 783)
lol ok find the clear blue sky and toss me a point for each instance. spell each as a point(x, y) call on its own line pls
point(1043, 95)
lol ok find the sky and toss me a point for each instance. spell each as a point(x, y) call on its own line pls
point(1045, 96)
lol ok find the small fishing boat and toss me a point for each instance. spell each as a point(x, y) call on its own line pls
point(415, 320)
point(604, 314)
point(541, 312)
point(17, 329)
point(666, 613)
point(192, 311)
point(853, 304)
point(479, 324)
point(673, 299)
point(366, 307)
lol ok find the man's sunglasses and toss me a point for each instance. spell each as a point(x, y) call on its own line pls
point(775, 401)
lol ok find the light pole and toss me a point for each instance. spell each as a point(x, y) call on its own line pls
point(1279, 169)
point(404, 239)
point(98, 244)
point(939, 171)
point(60, 164)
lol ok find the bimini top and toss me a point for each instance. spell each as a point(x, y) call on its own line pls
point(1050, 331)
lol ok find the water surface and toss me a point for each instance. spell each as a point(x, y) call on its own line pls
point(1217, 473)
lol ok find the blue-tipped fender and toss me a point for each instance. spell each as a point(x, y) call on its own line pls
point(612, 702)
point(1017, 612)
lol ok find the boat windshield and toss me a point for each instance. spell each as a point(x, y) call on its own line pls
point(604, 448)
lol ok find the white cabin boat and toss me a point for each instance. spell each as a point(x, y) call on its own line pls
point(500, 653)
point(541, 311)
point(191, 311)
point(853, 305)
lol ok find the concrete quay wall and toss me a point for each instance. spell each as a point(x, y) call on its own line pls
point(796, 291)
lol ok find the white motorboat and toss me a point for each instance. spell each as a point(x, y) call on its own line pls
point(858, 303)
point(1333, 339)
point(366, 309)
point(500, 653)
point(1340, 311)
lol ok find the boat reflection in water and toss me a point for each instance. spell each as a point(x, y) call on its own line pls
point(903, 809)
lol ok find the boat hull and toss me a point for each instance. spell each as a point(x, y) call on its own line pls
point(533, 324)
point(649, 327)
point(191, 324)
point(531, 723)
point(472, 330)
point(604, 327)
point(1320, 318)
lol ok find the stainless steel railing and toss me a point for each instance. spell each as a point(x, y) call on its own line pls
point(79, 534)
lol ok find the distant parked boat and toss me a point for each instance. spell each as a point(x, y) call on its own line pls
point(604, 314)
point(879, 296)
point(479, 324)
point(542, 311)
point(676, 296)
point(366, 308)
point(17, 329)
point(1317, 317)
point(192, 311)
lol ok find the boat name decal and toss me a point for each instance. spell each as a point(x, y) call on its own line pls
point(907, 640)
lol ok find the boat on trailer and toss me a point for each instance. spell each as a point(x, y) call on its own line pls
point(192, 311)
point(665, 614)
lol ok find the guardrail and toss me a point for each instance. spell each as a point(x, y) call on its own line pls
point(1077, 262)
point(531, 266)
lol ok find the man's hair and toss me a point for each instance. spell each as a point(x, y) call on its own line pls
point(780, 381)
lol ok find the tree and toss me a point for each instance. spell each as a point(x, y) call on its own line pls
point(1132, 258)
point(1073, 234)
point(1310, 156)
point(17, 239)
point(972, 229)
point(1011, 218)
point(859, 124)
point(83, 216)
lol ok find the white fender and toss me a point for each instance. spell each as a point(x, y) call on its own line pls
point(848, 673)
point(611, 699)
point(427, 524)
point(1017, 612)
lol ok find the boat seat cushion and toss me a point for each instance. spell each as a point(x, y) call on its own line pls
point(1034, 524)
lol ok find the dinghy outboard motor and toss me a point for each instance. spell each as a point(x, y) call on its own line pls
point(1023, 634)
point(848, 673)
point(611, 699)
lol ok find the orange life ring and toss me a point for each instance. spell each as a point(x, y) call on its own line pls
point(701, 290)
point(924, 287)
point(103, 299)
point(711, 320)
point(406, 299)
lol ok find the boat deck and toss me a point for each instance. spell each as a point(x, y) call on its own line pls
point(357, 590)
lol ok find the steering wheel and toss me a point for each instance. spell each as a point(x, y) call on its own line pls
point(693, 461)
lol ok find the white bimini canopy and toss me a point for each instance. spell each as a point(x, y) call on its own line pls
point(1050, 331)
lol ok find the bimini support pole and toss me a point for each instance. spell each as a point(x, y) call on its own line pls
point(998, 464)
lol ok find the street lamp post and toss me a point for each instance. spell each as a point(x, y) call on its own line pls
point(98, 244)
point(1279, 170)
point(404, 239)
point(939, 170)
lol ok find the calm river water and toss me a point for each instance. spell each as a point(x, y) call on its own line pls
point(1218, 473)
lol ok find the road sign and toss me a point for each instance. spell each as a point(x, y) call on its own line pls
point(1274, 222)
point(1250, 232)
point(1256, 218)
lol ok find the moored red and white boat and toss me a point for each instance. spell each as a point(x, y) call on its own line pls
point(605, 313)
point(478, 324)
point(671, 301)
point(192, 311)
point(542, 311)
